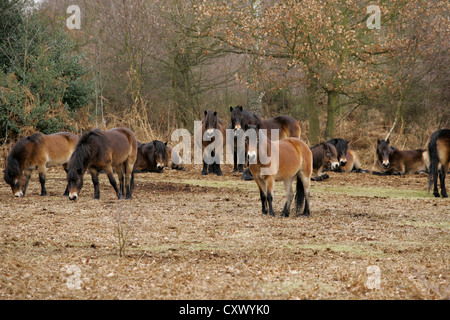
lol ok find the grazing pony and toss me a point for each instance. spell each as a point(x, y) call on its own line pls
point(154, 156)
point(210, 123)
point(439, 153)
point(97, 150)
point(348, 159)
point(287, 126)
point(393, 161)
point(37, 152)
point(294, 160)
point(323, 154)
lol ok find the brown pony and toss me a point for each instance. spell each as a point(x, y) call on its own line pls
point(211, 122)
point(393, 161)
point(154, 156)
point(37, 152)
point(115, 149)
point(439, 154)
point(287, 126)
point(348, 159)
point(323, 154)
point(294, 161)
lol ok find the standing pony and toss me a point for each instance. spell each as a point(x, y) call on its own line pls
point(323, 153)
point(287, 126)
point(37, 152)
point(115, 149)
point(398, 162)
point(439, 153)
point(210, 123)
point(294, 160)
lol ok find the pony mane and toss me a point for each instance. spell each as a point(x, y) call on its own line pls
point(17, 155)
point(36, 138)
point(82, 152)
point(12, 170)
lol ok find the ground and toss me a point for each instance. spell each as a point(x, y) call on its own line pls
point(203, 237)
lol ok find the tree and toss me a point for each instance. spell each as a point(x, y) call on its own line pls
point(327, 41)
point(42, 82)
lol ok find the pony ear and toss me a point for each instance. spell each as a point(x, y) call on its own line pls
point(240, 107)
point(166, 143)
point(387, 141)
point(378, 141)
point(215, 113)
point(348, 141)
point(206, 112)
point(231, 109)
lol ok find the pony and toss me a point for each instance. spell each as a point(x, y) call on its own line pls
point(439, 155)
point(348, 159)
point(98, 150)
point(287, 126)
point(154, 156)
point(294, 160)
point(211, 122)
point(37, 152)
point(323, 153)
point(393, 161)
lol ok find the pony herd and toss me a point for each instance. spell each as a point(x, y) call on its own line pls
point(117, 150)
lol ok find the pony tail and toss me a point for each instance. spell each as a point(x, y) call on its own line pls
point(299, 195)
point(434, 160)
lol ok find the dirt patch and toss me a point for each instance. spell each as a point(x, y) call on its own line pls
point(203, 237)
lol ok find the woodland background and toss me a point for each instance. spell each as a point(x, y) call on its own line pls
point(156, 65)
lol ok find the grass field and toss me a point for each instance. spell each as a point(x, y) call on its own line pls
point(194, 237)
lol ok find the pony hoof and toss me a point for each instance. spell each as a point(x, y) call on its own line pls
point(220, 173)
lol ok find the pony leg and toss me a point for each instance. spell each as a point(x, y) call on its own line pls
point(270, 185)
point(94, 175)
point(262, 193)
point(129, 180)
point(42, 178)
point(218, 171)
point(66, 192)
point(303, 193)
point(235, 160)
point(27, 174)
point(442, 174)
point(289, 197)
point(205, 168)
point(120, 170)
point(263, 197)
point(113, 182)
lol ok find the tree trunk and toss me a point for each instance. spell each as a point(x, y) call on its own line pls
point(313, 114)
point(331, 114)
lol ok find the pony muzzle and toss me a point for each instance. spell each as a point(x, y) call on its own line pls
point(343, 162)
point(334, 165)
point(18, 194)
point(386, 164)
point(73, 196)
point(252, 156)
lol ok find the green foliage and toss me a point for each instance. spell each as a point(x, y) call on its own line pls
point(42, 78)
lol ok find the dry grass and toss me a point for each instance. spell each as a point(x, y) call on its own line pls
point(195, 237)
